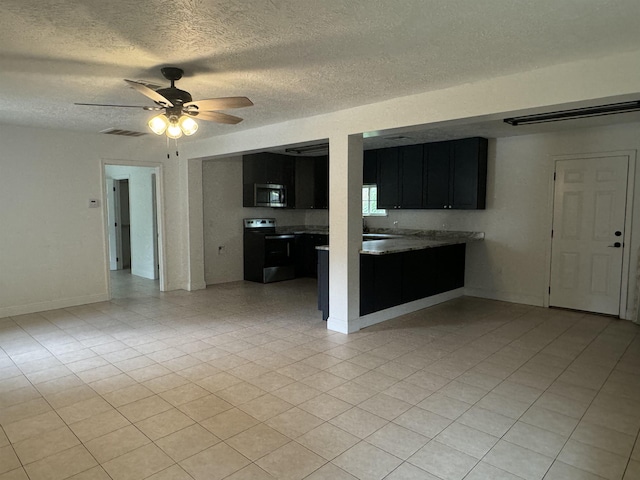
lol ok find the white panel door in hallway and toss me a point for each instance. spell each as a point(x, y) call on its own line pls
point(588, 231)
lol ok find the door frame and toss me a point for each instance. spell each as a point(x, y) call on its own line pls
point(158, 170)
point(625, 312)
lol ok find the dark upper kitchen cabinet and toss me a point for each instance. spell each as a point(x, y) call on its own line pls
point(312, 182)
point(455, 174)
point(370, 167)
point(388, 178)
point(266, 168)
point(400, 177)
point(411, 166)
point(321, 182)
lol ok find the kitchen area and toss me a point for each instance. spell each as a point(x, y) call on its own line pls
point(286, 197)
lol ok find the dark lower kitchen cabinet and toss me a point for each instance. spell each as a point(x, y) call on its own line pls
point(400, 177)
point(393, 279)
point(306, 253)
point(380, 282)
point(455, 174)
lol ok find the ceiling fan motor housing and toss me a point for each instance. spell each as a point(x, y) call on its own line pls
point(175, 95)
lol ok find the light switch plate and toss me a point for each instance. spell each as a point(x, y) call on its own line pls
point(94, 203)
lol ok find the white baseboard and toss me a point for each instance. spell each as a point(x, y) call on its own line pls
point(397, 311)
point(52, 305)
point(340, 326)
point(505, 296)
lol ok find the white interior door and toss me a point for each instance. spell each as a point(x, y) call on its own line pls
point(588, 231)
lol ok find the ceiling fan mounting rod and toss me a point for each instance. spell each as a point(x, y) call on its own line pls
point(172, 74)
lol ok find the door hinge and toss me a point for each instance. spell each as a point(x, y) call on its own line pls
point(115, 224)
point(549, 290)
point(554, 176)
point(117, 259)
point(552, 233)
point(114, 189)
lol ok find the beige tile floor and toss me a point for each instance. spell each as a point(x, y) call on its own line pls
point(243, 382)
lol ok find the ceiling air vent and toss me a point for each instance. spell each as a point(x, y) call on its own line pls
point(122, 133)
point(575, 113)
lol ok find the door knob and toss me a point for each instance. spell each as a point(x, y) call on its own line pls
point(616, 245)
point(618, 233)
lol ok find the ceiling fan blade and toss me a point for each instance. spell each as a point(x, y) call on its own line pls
point(223, 103)
point(120, 106)
point(215, 117)
point(147, 92)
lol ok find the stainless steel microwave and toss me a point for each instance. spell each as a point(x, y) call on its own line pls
point(269, 195)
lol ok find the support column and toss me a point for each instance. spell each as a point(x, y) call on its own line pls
point(345, 232)
point(195, 232)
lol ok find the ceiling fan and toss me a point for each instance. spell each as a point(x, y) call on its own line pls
point(179, 109)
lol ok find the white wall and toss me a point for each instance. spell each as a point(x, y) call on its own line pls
point(223, 213)
point(54, 251)
point(141, 216)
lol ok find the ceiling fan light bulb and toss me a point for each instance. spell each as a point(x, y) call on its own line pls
point(158, 124)
point(174, 131)
point(188, 125)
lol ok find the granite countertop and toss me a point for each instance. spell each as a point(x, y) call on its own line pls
point(409, 240)
point(309, 229)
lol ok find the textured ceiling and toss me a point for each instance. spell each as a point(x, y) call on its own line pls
point(293, 58)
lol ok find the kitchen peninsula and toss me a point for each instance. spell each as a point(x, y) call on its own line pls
point(400, 268)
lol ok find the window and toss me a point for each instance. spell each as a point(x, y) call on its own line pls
point(370, 202)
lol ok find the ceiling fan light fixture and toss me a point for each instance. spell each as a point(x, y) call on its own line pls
point(174, 131)
point(188, 125)
point(159, 124)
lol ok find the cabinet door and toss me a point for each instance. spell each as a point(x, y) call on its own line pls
point(304, 197)
point(388, 178)
point(311, 254)
point(387, 281)
point(450, 267)
point(419, 274)
point(280, 169)
point(321, 182)
point(411, 176)
point(323, 283)
point(254, 168)
point(436, 175)
point(469, 173)
point(367, 292)
point(370, 167)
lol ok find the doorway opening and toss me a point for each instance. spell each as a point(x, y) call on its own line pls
point(134, 256)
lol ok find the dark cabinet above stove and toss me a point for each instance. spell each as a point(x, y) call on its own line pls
point(306, 179)
point(267, 169)
point(312, 182)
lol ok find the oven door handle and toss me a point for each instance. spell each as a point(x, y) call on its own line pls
point(279, 237)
